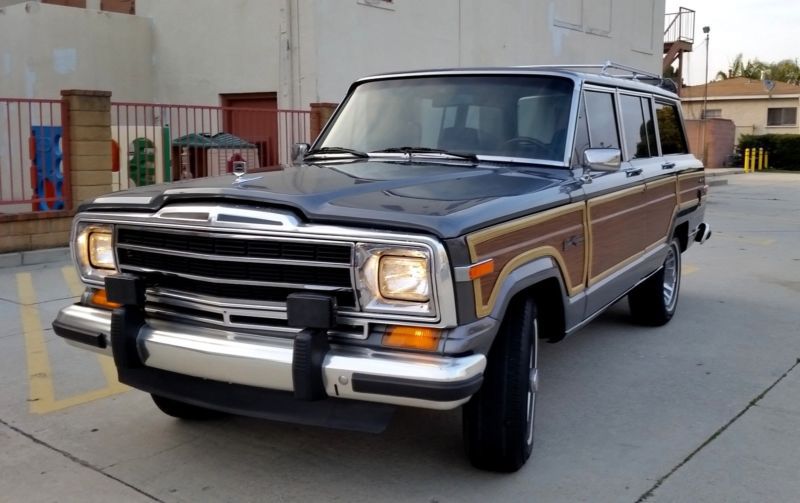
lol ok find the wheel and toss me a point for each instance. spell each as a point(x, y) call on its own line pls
point(498, 420)
point(654, 301)
point(183, 410)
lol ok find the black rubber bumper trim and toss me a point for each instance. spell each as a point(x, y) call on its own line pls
point(90, 339)
point(413, 388)
point(260, 402)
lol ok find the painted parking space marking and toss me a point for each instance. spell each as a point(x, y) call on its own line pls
point(689, 269)
point(106, 362)
point(744, 239)
point(41, 394)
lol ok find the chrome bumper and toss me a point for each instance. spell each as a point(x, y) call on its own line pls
point(391, 377)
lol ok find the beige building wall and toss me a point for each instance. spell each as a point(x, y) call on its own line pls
point(749, 115)
point(47, 48)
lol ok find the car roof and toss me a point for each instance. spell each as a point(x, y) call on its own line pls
point(637, 81)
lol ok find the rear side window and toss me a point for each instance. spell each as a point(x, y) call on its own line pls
point(602, 120)
point(670, 130)
point(637, 125)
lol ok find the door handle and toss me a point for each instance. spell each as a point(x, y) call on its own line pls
point(633, 172)
point(668, 165)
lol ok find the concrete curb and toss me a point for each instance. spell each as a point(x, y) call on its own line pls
point(719, 172)
point(33, 257)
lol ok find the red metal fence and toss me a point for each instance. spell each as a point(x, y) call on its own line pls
point(159, 142)
point(34, 162)
point(152, 143)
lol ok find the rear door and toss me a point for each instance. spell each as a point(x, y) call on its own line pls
point(658, 203)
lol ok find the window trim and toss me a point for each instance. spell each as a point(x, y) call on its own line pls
point(378, 4)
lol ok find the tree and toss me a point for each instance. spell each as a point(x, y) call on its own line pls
point(786, 70)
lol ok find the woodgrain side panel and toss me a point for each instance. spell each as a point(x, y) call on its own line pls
point(690, 187)
point(625, 224)
point(617, 229)
point(660, 210)
point(559, 233)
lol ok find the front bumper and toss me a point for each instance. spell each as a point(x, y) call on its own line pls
point(171, 351)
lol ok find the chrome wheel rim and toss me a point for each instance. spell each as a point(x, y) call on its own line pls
point(533, 384)
point(670, 286)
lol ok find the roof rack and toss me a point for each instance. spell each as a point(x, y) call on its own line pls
point(628, 72)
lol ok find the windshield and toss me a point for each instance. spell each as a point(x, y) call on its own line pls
point(500, 115)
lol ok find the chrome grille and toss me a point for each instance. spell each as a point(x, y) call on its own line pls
point(230, 269)
point(235, 247)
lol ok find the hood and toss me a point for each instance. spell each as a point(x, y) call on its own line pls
point(442, 198)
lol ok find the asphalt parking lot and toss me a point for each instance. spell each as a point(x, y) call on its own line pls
point(706, 408)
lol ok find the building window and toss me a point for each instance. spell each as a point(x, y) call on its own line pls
point(781, 116)
point(712, 113)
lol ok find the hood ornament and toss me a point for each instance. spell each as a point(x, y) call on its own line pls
point(240, 169)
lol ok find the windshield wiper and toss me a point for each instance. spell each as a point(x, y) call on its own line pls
point(426, 150)
point(338, 150)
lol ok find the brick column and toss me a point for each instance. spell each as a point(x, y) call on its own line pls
point(320, 113)
point(88, 138)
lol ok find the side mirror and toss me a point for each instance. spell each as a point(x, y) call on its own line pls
point(299, 151)
point(602, 159)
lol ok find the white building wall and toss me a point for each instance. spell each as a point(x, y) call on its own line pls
point(190, 52)
point(47, 48)
point(204, 48)
point(361, 37)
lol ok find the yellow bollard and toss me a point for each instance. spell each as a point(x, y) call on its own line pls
point(761, 158)
point(766, 159)
point(746, 159)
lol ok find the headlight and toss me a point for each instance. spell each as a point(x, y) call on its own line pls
point(404, 278)
point(101, 253)
point(394, 279)
point(94, 251)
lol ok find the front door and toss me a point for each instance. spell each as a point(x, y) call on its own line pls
point(254, 117)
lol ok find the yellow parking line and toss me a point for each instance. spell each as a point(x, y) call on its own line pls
point(688, 269)
point(748, 240)
point(106, 363)
point(73, 282)
point(41, 394)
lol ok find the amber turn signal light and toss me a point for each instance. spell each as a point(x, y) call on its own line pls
point(481, 269)
point(99, 299)
point(423, 338)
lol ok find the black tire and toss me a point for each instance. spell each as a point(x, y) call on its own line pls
point(654, 301)
point(498, 420)
point(183, 410)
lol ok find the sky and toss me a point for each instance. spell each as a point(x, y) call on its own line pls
point(765, 29)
